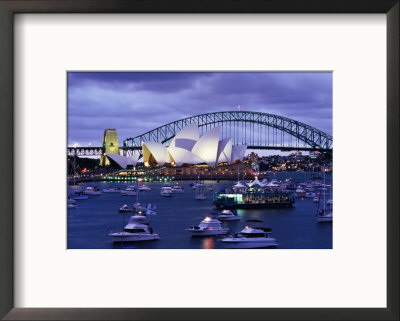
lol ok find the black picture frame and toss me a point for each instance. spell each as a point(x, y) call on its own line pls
point(10, 7)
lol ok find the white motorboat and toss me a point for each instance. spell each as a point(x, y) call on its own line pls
point(166, 191)
point(92, 190)
point(310, 195)
point(129, 191)
point(251, 238)
point(71, 201)
point(300, 191)
point(177, 189)
point(71, 205)
point(135, 231)
point(228, 215)
point(198, 184)
point(316, 200)
point(207, 227)
point(125, 209)
point(112, 189)
point(144, 188)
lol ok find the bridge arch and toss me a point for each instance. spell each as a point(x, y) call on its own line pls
point(255, 129)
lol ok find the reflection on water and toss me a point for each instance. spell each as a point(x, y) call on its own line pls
point(208, 243)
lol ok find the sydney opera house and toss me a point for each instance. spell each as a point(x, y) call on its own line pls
point(189, 148)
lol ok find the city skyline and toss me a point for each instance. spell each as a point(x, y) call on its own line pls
point(135, 102)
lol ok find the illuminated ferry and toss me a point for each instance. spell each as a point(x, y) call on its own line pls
point(253, 199)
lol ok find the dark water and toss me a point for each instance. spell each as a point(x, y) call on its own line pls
point(92, 220)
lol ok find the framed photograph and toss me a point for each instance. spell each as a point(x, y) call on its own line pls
point(229, 171)
point(168, 161)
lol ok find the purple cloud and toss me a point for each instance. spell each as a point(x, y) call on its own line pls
point(135, 102)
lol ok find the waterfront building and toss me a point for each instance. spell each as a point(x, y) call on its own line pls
point(188, 148)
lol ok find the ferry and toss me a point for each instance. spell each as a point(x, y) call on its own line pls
point(252, 199)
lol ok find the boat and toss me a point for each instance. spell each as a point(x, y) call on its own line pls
point(177, 189)
point(257, 199)
point(150, 209)
point(124, 209)
point(144, 188)
point(71, 201)
point(300, 191)
point(315, 199)
point(200, 192)
point(129, 191)
point(198, 184)
point(310, 195)
point(140, 218)
point(112, 189)
point(135, 231)
point(228, 215)
point(166, 191)
point(71, 205)
point(208, 227)
point(324, 214)
point(251, 238)
point(291, 186)
point(92, 190)
point(80, 196)
point(317, 184)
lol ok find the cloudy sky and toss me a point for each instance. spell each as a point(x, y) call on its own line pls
point(135, 102)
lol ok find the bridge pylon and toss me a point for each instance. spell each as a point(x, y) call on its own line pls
point(110, 145)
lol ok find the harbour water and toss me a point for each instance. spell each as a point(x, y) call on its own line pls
point(93, 219)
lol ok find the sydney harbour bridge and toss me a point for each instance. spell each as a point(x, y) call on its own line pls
point(255, 129)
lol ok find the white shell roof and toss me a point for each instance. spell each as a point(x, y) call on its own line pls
point(185, 143)
point(182, 156)
point(122, 161)
point(224, 153)
point(187, 148)
point(158, 151)
point(190, 132)
point(238, 152)
point(207, 146)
